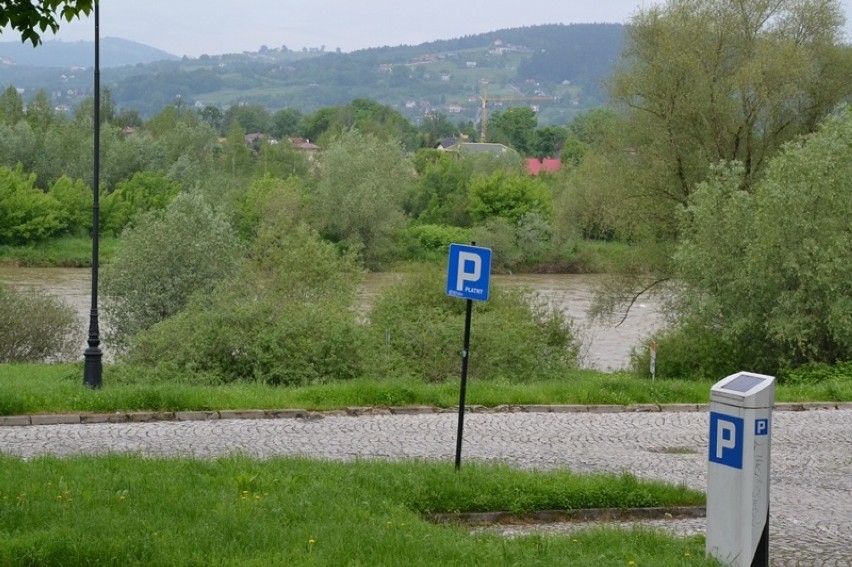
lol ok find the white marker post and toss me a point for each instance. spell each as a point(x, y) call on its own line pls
point(738, 469)
point(653, 361)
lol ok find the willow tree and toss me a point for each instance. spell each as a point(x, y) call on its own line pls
point(705, 81)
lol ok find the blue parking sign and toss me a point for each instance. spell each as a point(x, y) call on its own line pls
point(726, 439)
point(469, 272)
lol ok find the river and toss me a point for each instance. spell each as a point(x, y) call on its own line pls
point(605, 346)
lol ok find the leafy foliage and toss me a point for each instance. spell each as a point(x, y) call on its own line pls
point(767, 274)
point(27, 214)
point(359, 193)
point(286, 318)
point(509, 195)
point(36, 327)
point(163, 259)
point(145, 191)
point(75, 198)
point(33, 18)
point(512, 335)
point(704, 82)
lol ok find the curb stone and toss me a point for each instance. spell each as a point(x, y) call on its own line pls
point(580, 515)
point(358, 411)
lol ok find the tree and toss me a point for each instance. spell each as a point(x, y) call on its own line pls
point(143, 192)
point(439, 195)
point(509, 195)
point(40, 113)
point(236, 156)
point(252, 118)
point(359, 193)
point(767, 273)
point(11, 106)
point(286, 123)
point(435, 126)
point(548, 141)
point(514, 127)
point(721, 80)
point(286, 318)
point(32, 19)
point(75, 198)
point(163, 259)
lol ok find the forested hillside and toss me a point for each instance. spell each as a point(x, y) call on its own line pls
point(562, 66)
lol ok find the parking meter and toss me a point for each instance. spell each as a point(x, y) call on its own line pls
point(738, 469)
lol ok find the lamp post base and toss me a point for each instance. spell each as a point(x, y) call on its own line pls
point(93, 368)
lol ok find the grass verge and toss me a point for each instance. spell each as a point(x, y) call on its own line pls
point(125, 510)
point(42, 388)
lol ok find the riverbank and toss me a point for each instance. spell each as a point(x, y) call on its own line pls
point(590, 256)
point(605, 345)
point(63, 252)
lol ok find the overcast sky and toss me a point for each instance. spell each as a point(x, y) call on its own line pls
point(195, 27)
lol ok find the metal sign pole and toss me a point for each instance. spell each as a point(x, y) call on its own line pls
point(463, 390)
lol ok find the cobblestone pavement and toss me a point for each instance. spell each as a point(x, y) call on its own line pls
point(811, 490)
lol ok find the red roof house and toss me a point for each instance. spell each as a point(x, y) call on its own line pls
point(546, 165)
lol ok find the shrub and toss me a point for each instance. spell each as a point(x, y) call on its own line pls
point(145, 191)
point(817, 373)
point(432, 241)
point(27, 214)
point(162, 260)
point(36, 327)
point(75, 199)
point(512, 335)
point(287, 318)
point(767, 273)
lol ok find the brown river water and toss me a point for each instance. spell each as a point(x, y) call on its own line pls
point(605, 345)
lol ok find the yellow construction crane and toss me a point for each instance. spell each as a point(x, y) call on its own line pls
point(483, 117)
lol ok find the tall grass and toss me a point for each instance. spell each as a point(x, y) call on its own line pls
point(39, 388)
point(122, 510)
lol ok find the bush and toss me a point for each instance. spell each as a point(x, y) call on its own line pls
point(431, 242)
point(817, 373)
point(145, 191)
point(27, 214)
point(767, 274)
point(234, 336)
point(512, 335)
point(36, 327)
point(287, 318)
point(75, 199)
point(167, 256)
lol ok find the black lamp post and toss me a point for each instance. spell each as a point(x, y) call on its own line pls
point(93, 369)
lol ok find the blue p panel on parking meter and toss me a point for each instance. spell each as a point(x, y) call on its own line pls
point(469, 272)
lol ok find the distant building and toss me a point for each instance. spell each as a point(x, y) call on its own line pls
point(547, 165)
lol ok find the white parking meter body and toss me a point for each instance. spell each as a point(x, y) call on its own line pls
point(738, 469)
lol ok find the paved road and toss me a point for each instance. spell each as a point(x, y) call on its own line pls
point(811, 490)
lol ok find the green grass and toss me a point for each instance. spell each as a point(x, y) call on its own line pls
point(124, 510)
point(65, 252)
point(42, 388)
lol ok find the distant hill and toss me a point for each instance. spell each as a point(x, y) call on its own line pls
point(557, 69)
point(115, 52)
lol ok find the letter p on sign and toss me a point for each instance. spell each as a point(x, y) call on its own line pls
point(474, 263)
point(726, 440)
